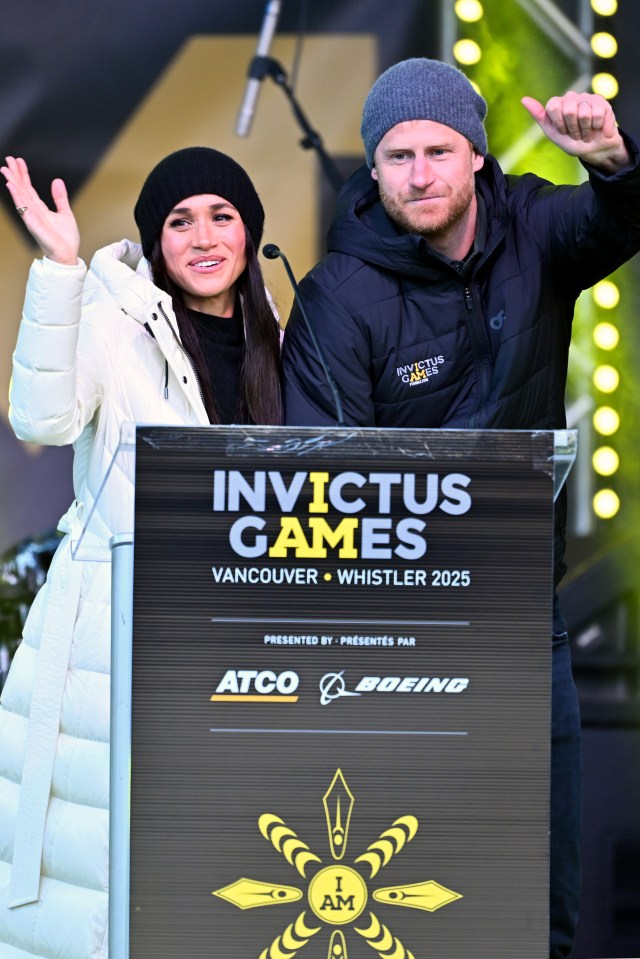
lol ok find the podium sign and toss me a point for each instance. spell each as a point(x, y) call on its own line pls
point(341, 694)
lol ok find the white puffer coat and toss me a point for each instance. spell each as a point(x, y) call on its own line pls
point(96, 349)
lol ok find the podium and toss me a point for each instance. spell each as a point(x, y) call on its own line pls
point(331, 694)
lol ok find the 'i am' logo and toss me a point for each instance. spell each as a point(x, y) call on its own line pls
point(337, 894)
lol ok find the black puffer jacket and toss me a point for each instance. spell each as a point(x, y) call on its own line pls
point(413, 341)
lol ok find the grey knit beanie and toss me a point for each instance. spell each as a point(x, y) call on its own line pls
point(190, 172)
point(422, 89)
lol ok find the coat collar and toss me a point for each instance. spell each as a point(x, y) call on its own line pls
point(122, 272)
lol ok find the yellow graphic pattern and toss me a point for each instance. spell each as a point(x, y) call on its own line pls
point(337, 894)
point(296, 852)
point(390, 842)
point(338, 806)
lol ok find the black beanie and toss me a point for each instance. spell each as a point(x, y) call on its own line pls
point(191, 172)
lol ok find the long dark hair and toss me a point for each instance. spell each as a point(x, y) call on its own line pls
point(261, 401)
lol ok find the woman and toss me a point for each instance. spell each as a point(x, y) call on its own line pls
point(178, 330)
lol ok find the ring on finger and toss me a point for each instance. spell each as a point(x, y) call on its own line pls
point(22, 210)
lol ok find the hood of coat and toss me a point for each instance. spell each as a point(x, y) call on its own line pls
point(119, 276)
point(121, 273)
point(362, 229)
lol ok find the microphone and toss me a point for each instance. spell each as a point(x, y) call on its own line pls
point(256, 68)
point(273, 252)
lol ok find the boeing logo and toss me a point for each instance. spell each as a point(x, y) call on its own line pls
point(333, 685)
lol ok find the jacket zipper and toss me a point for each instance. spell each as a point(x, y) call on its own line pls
point(186, 356)
point(166, 363)
point(480, 346)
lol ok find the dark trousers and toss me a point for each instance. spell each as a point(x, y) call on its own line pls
point(566, 774)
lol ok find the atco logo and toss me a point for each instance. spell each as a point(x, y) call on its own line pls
point(333, 685)
point(253, 686)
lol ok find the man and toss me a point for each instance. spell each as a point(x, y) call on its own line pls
point(440, 262)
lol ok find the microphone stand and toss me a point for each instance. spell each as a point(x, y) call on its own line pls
point(273, 252)
point(268, 67)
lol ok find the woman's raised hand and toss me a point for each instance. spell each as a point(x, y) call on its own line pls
point(55, 231)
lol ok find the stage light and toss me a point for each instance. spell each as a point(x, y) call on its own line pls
point(604, 45)
point(606, 336)
point(606, 503)
point(605, 84)
point(604, 8)
point(606, 420)
point(605, 461)
point(606, 294)
point(469, 10)
point(467, 52)
point(606, 378)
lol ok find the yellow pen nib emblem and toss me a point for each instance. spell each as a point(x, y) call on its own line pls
point(337, 894)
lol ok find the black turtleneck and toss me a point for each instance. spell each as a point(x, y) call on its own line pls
point(221, 340)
